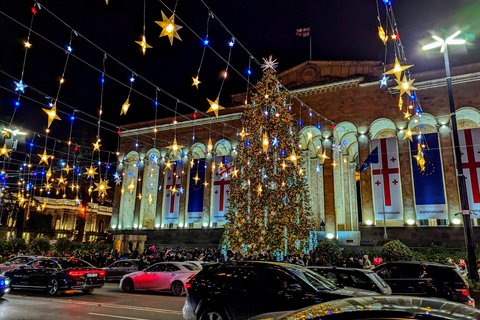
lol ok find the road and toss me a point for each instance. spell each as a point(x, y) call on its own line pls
point(107, 303)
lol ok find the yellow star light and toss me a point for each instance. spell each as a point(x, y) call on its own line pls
point(205, 183)
point(175, 146)
point(96, 146)
point(47, 186)
point(243, 134)
point(91, 172)
point(284, 165)
point(131, 186)
point(173, 190)
point(168, 164)
point(309, 135)
point(196, 178)
point(144, 44)
point(192, 163)
point(49, 173)
point(196, 82)
point(102, 187)
point(398, 69)
point(382, 35)
point(400, 103)
point(324, 155)
point(220, 164)
point(4, 151)
point(169, 28)
point(150, 199)
point(259, 189)
point(235, 172)
point(67, 168)
point(294, 157)
point(265, 142)
point(61, 180)
point(106, 1)
point(125, 107)
point(407, 115)
point(210, 145)
point(44, 157)
point(408, 134)
point(214, 106)
point(405, 86)
point(420, 159)
point(6, 133)
point(52, 114)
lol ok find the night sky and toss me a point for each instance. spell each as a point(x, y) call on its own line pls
point(341, 30)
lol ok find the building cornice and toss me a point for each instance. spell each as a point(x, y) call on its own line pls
point(329, 87)
point(442, 82)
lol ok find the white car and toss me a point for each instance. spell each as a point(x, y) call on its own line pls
point(171, 276)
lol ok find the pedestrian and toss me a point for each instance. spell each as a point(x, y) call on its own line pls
point(367, 264)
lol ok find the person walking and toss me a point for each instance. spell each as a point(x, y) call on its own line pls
point(367, 264)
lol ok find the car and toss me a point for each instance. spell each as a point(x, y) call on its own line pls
point(4, 285)
point(170, 276)
point(418, 278)
point(56, 275)
point(118, 269)
point(242, 289)
point(380, 307)
point(358, 278)
point(15, 262)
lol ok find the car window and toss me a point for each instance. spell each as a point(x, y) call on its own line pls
point(330, 276)
point(378, 280)
point(156, 268)
point(312, 278)
point(448, 274)
point(127, 264)
point(398, 271)
point(43, 264)
point(192, 267)
point(274, 279)
point(74, 263)
point(239, 276)
point(357, 279)
point(169, 267)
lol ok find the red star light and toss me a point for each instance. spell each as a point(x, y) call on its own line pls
point(34, 11)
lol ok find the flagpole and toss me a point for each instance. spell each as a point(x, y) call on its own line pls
point(310, 46)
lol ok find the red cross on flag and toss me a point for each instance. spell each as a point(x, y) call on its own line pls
point(470, 151)
point(387, 191)
point(221, 187)
point(303, 32)
point(172, 192)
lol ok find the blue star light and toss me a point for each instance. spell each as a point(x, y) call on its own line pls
point(383, 81)
point(116, 175)
point(275, 142)
point(318, 168)
point(20, 86)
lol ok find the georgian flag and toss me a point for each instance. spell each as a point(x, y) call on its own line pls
point(470, 153)
point(221, 187)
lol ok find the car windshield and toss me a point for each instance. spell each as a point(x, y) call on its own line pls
point(377, 279)
point(312, 278)
point(74, 263)
point(192, 267)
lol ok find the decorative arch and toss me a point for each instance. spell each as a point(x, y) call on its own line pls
point(426, 123)
point(153, 151)
point(382, 128)
point(132, 156)
point(342, 129)
point(468, 118)
point(313, 144)
point(222, 147)
point(197, 150)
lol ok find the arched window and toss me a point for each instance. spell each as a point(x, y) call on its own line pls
point(57, 224)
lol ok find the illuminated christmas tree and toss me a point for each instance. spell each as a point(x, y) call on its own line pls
point(269, 202)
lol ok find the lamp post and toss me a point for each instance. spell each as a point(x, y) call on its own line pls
point(467, 223)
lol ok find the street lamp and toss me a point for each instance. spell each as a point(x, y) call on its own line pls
point(467, 223)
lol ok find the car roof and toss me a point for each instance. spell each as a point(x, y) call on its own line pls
point(420, 263)
point(342, 269)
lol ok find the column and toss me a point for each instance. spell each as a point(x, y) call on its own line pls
point(365, 183)
point(182, 205)
point(127, 203)
point(405, 163)
point(316, 192)
point(346, 193)
point(339, 190)
point(352, 183)
point(329, 191)
point(149, 192)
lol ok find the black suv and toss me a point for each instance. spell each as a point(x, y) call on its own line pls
point(240, 290)
point(414, 278)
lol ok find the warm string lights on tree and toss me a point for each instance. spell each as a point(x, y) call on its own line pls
point(144, 43)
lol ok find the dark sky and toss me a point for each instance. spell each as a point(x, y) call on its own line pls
point(341, 30)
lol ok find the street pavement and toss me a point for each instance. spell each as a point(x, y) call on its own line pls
point(107, 303)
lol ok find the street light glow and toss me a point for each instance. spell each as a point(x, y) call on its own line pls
point(443, 43)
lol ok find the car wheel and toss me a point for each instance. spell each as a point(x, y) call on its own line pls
point(87, 291)
point(52, 287)
point(177, 288)
point(128, 285)
point(213, 314)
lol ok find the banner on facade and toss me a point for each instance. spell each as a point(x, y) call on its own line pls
point(470, 151)
point(428, 184)
point(173, 191)
point(387, 191)
point(221, 187)
point(196, 192)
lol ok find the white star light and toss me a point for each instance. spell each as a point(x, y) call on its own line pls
point(116, 175)
point(383, 81)
point(269, 64)
point(318, 169)
point(275, 142)
point(20, 86)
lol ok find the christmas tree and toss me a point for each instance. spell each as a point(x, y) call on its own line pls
point(269, 203)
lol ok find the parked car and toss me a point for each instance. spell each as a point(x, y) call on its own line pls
point(240, 290)
point(414, 278)
point(4, 285)
point(358, 278)
point(118, 269)
point(56, 275)
point(14, 263)
point(380, 307)
point(161, 276)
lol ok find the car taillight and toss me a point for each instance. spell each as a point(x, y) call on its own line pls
point(76, 273)
point(193, 275)
point(188, 286)
point(464, 292)
point(101, 273)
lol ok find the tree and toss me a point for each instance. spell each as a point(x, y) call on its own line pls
point(40, 245)
point(329, 253)
point(63, 245)
point(395, 250)
point(16, 245)
point(269, 203)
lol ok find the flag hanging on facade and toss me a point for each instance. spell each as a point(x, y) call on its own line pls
point(221, 187)
point(470, 151)
point(428, 184)
point(196, 192)
point(387, 192)
point(173, 190)
point(303, 32)
point(372, 158)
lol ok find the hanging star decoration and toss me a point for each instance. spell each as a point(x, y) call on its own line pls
point(419, 157)
point(102, 187)
point(144, 44)
point(168, 164)
point(125, 107)
point(173, 190)
point(175, 146)
point(91, 172)
point(4, 151)
point(150, 199)
point(284, 165)
point(220, 164)
point(52, 114)
point(235, 172)
point(61, 180)
point(96, 146)
point(408, 134)
point(6, 132)
point(243, 133)
point(196, 178)
point(205, 183)
point(169, 28)
point(293, 157)
point(309, 135)
point(118, 181)
point(214, 106)
point(405, 86)
point(408, 115)
point(259, 189)
point(47, 186)
point(384, 81)
point(398, 69)
point(106, 1)
point(269, 64)
point(49, 173)
point(210, 145)
point(324, 156)
point(44, 157)
point(196, 82)
point(131, 186)
point(20, 86)
point(265, 143)
point(400, 103)
point(116, 175)
point(382, 35)
point(192, 163)
point(67, 168)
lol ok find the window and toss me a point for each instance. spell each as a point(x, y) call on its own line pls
point(191, 267)
point(240, 276)
point(38, 264)
point(74, 263)
point(171, 267)
point(156, 268)
point(19, 260)
point(127, 264)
